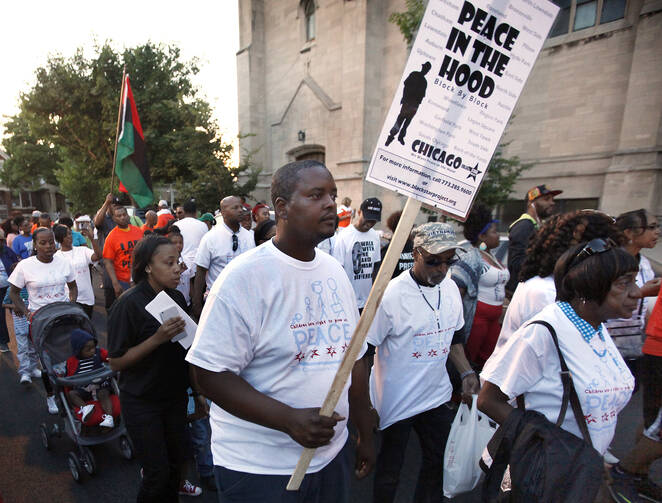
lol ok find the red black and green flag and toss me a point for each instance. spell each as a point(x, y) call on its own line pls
point(131, 164)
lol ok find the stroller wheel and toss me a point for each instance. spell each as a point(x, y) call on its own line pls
point(126, 447)
point(45, 437)
point(74, 466)
point(87, 460)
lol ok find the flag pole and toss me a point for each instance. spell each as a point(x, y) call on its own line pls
point(117, 130)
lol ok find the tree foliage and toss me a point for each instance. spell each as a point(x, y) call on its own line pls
point(66, 125)
point(502, 172)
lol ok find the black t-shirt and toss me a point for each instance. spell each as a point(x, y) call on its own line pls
point(405, 262)
point(518, 241)
point(161, 375)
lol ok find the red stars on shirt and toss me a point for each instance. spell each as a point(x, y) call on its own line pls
point(331, 351)
point(432, 352)
point(416, 355)
point(313, 354)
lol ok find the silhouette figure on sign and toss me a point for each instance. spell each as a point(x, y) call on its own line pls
point(412, 96)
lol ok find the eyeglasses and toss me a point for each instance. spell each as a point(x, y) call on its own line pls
point(235, 242)
point(593, 247)
point(435, 261)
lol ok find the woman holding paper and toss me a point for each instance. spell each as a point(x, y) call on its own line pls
point(154, 374)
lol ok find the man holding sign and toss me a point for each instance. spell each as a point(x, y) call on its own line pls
point(267, 356)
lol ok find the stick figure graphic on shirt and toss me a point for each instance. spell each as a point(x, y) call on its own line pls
point(337, 306)
point(318, 288)
point(309, 309)
point(296, 319)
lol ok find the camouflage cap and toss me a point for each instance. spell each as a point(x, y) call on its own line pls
point(435, 237)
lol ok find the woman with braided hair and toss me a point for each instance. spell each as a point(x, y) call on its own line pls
point(536, 288)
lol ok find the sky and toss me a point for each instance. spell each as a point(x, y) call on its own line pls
point(208, 30)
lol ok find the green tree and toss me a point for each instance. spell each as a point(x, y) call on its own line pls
point(502, 172)
point(66, 125)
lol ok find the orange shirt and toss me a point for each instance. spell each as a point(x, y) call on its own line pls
point(164, 219)
point(145, 227)
point(653, 343)
point(119, 247)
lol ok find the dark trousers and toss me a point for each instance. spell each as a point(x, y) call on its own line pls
point(432, 428)
point(87, 308)
point(329, 485)
point(651, 383)
point(4, 334)
point(157, 429)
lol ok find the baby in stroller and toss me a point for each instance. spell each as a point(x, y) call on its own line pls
point(93, 404)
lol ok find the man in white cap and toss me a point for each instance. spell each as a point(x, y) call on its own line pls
point(164, 215)
point(418, 326)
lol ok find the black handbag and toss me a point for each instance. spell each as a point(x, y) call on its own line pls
point(544, 463)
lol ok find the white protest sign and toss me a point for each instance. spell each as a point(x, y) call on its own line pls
point(463, 77)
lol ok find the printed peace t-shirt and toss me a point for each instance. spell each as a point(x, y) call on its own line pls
point(358, 252)
point(119, 246)
point(286, 339)
point(413, 340)
point(529, 364)
point(46, 282)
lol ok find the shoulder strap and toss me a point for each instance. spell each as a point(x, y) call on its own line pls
point(569, 392)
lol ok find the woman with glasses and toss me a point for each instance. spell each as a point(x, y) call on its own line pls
point(418, 326)
point(482, 280)
point(594, 281)
point(536, 288)
point(641, 231)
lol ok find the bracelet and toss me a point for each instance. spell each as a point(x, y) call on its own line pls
point(466, 373)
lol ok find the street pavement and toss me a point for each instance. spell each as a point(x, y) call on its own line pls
point(30, 474)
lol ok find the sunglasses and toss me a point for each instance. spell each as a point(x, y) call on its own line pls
point(235, 242)
point(593, 247)
point(435, 261)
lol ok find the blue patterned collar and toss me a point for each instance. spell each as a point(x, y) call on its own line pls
point(584, 327)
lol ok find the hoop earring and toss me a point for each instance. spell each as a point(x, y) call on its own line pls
point(148, 271)
point(483, 246)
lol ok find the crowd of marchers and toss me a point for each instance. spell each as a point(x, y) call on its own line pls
point(277, 291)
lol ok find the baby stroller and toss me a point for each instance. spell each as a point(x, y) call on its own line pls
point(51, 328)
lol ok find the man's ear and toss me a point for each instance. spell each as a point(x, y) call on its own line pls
point(280, 208)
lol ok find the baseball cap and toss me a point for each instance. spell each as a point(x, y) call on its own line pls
point(163, 203)
point(372, 209)
point(207, 217)
point(435, 237)
point(36, 213)
point(539, 191)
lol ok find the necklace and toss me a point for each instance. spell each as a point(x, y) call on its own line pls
point(435, 311)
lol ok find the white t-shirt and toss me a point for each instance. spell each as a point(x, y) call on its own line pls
point(328, 245)
point(492, 285)
point(528, 364)
point(283, 326)
point(409, 374)
point(530, 297)
point(215, 250)
point(193, 230)
point(184, 284)
point(80, 258)
point(45, 282)
point(358, 252)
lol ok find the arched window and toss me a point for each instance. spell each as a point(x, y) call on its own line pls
point(309, 13)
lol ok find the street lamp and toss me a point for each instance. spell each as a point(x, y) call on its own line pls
point(301, 135)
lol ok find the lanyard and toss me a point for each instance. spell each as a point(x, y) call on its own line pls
point(435, 311)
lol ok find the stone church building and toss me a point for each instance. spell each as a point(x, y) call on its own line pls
point(316, 78)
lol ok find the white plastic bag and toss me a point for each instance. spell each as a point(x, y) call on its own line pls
point(469, 435)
